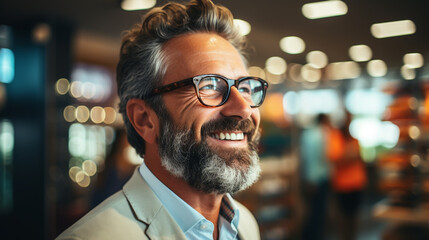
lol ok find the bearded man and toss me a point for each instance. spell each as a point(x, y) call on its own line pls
point(191, 110)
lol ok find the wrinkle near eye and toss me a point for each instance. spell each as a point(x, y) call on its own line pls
point(185, 101)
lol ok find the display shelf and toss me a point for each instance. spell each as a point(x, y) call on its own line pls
point(386, 210)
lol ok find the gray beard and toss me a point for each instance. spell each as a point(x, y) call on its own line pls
point(201, 167)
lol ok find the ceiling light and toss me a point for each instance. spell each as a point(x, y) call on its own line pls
point(311, 74)
point(408, 73)
point(343, 70)
point(393, 29)
point(256, 71)
point(132, 5)
point(276, 65)
point(324, 9)
point(274, 78)
point(242, 26)
point(360, 53)
point(376, 68)
point(294, 72)
point(413, 60)
point(292, 45)
point(62, 86)
point(42, 33)
point(317, 59)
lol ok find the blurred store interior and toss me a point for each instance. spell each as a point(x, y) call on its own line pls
point(62, 147)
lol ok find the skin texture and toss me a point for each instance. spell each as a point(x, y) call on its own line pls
point(188, 56)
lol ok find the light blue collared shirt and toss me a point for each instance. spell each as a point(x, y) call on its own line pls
point(192, 223)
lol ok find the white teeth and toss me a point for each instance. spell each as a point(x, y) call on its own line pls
point(222, 136)
point(229, 136)
point(240, 136)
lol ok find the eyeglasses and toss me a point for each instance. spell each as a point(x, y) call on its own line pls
point(213, 90)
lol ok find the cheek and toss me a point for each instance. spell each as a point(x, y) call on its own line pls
point(256, 117)
point(188, 113)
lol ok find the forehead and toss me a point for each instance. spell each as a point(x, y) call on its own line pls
point(202, 53)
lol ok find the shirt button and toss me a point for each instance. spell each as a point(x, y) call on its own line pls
point(203, 226)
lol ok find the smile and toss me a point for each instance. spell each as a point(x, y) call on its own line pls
point(234, 136)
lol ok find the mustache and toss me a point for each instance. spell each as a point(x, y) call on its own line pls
point(228, 124)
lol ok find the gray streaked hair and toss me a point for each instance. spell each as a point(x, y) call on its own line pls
point(142, 62)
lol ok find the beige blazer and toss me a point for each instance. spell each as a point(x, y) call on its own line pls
point(136, 213)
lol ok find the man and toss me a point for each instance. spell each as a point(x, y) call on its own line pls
point(198, 136)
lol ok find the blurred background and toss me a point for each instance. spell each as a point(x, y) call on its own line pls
point(345, 122)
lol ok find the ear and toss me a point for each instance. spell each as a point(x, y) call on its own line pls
point(143, 119)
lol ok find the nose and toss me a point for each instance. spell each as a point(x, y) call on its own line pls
point(236, 106)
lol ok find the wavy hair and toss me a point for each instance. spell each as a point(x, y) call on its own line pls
point(142, 62)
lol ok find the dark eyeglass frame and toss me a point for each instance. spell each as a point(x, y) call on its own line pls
point(196, 80)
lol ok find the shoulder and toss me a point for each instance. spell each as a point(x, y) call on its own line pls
point(247, 227)
point(109, 220)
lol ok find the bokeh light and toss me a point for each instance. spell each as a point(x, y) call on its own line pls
point(317, 59)
point(292, 45)
point(243, 27)
point(360, 53)
point(276, 65)
point(377, 68)
point(413, 60)
point(62, 86)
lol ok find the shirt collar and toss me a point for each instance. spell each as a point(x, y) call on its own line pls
point(186, 216)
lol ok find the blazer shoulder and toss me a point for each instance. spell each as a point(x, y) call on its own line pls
point(247, 227)
point(110, 220)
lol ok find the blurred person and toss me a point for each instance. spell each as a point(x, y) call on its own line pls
point(198, 136)
point(348, 179)
point(315, 177)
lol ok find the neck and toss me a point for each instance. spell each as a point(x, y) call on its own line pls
point(207, 204)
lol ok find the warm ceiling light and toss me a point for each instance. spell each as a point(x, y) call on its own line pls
point(42, 33)
point(343, 70)
point(294, 72)
point(408, 73)
point(311, 74)
point(82, 114)
point(243, 27)
point(393, 29)
point(132, 5)
point(360, 53)
point(97, 114)
point(292, 45)
point(317, 59)
point(413, 60)
point(110, 115)
point(256, 71)
point(324, 9)
point(376, 68)
point(276, 65)
point(69, 113)
point(62, 86)
point(274, 78)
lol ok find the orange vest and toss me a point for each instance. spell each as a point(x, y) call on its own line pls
point(348, 170)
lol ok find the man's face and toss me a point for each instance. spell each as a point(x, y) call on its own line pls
point(188, 140)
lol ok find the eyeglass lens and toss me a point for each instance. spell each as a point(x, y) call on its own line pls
point(213, 90)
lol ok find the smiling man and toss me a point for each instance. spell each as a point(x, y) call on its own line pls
point(191, 110)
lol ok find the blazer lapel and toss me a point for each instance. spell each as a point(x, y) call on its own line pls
point(149, 209)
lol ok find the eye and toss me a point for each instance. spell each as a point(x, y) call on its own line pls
point(209, 84)
point(245, 89)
